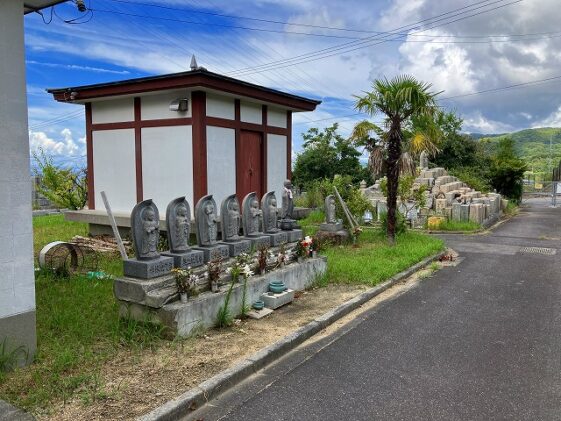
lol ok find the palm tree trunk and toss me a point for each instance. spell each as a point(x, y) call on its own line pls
point(394, 152)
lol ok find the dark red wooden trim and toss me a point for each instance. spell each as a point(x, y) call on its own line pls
point(232, 124)
point(113, 126)
point(278, 130)
point(289, 145)
point(237, 118)
point(200, 80)
point(264, 149)
point(165, 122)
point(89, 153)
point(200, 177)
point(138, 150)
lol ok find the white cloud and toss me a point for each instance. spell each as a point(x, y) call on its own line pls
point(64, 145)
point(477, 123)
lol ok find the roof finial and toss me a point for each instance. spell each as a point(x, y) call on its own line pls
point(194, 65)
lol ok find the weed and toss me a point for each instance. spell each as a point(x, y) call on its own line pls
point(224, 317)
point(434, 266)
point(451, 225)
point(11, 356)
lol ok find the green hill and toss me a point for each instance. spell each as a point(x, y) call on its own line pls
point(533, 146)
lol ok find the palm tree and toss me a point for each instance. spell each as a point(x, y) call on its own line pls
point(400, 99)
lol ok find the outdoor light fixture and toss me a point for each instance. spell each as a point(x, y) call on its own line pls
point(81, 5)
point(73, 95)
point(179, 104)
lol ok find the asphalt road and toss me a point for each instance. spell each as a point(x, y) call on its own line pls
point(479, 341)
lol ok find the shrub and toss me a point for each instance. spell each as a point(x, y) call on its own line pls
point(400, 223)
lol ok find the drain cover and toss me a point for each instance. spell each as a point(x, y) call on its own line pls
point(538, 250)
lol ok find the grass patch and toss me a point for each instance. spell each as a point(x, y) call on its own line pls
point(374, 261)
point(450, 225)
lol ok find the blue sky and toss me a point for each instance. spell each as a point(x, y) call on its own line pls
point(327, 50)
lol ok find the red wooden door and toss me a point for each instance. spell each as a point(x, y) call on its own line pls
point(249, 164)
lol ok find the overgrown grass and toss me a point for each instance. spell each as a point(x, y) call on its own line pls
point(451, 225)
point(374, 261)
point(310, 224)
point(78, 329)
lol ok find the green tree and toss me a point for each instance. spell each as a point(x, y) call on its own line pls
point(400, 99)
point(507, 170)
point(66, 188)
point(326, 154)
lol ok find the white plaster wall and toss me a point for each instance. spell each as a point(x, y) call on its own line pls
point(113, 111)
point(220, 106)
point(156, 106)
point(167, 165)
point(114, 168)
point(276, 117)
point(276, 163)
point(221, 162)
point(251, 113)
point(17, 283)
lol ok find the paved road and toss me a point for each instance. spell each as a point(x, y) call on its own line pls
point(479, 341)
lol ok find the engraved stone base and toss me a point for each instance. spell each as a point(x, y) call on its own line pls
point(147, 269)
point(274, 301)
point(238, 247)
point(259, 241)
point(277, 238)
point(331, 227)
point(219, 251)
point(191, 258)
point(295, 235)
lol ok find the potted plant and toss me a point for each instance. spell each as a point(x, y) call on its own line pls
point(315, 246)
point(214, 269)
point(300, 251)
point(186, 282)
point(262, 256)
point(282, 257)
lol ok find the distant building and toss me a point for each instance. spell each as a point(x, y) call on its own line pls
point(191, 133)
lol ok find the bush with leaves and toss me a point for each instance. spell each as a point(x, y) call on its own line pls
point(507, 170)
point(66, 188)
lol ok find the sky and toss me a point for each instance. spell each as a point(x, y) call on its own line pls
point(496, 63)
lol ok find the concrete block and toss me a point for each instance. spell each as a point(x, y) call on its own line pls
point(259, 241)
point(464, 212)
point(218, 251)
point(456, 211)
point(238, 247)
point(259, 314)
point(295, 235)
point(147, 269)
point(274, 301)
point(277, 238)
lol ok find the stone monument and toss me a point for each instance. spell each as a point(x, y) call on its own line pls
point(178, 223)
point(270, 220)
point(331, 223)
point(251, 221)
point(424, 161)
point(231, 217)
point(287, 222)
point(145, 231)
point(206, 221)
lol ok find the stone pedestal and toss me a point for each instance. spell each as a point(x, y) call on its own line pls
point(287, 224)
point(338, 226)
point(456, 211)
point(191, 258)
point(476, 213)
point(464, 212)
point(258, 241)
point(218, 251)
point(238, 247)
point(440, 205)
point(147, 269)
point(274, 301)
point(295, 235)
point(277, 238)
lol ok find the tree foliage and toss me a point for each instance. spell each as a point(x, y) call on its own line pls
point(507, 170)
point(326, 154)
point(66, 188)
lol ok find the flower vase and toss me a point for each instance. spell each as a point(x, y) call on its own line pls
point(183, 297)
point(314, 254)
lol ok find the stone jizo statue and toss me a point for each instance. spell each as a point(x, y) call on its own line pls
point(330, 214)
point(145, 229)
point(178, 222)
point(270, 213)
point(287, 201)
point(207, 219)
point(231, 218)
point(251, 215)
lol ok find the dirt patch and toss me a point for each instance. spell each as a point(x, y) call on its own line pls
point(133, 383)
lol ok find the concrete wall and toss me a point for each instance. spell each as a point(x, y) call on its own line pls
point(156, 106)
point(17, 282)
point(276, 164)
point(251, 112)
point(167, 164)
point(114, 168)
point(221, 162)
point(113, 111)
point(276, 117)
point(220, 106)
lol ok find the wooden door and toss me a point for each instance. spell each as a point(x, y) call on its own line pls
point(249, 164)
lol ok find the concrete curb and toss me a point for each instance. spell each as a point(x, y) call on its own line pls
point(211, 388)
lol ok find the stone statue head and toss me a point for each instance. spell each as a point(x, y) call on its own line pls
point(145, 230)
point(288, 184)
point(178, 225)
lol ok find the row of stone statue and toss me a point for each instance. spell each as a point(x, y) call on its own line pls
point(145, 223)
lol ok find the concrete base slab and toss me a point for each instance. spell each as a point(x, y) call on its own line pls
point(189, 259)
point(273, 300)
point(238, 247)
point(150, 292)
point(259, 314)
point(219, 251)
point(147, 269)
